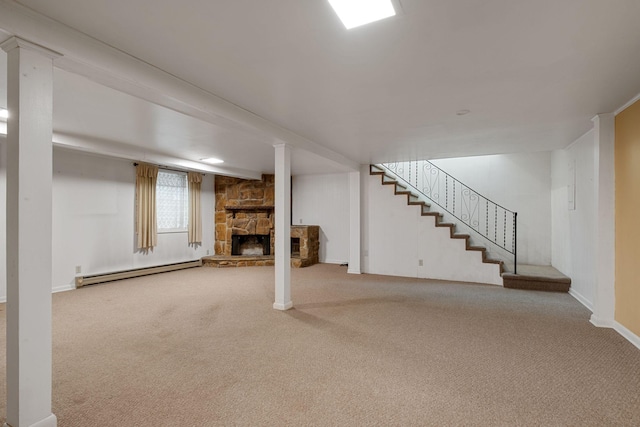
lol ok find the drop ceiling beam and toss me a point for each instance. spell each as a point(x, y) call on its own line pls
point(118, 70)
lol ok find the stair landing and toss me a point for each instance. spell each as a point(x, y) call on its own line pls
point(536, 278)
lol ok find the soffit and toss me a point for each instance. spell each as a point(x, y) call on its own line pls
point(532, 73)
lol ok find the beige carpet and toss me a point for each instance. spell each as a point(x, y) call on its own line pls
point(203, 347)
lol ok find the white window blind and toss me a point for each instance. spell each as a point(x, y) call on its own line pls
point(172, 197)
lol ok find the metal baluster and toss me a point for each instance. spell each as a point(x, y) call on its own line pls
point(446, 191)
point(486, 223)
point(515, 240)
point(504, 237)
point(495, 223)
point(454, 196)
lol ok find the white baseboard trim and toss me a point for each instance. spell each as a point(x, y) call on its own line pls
point(282, 307)
point(56, 289)
point(601, 322)
point(581, 299)
point(63, 288)
point(350, 271)
point(50, 421)
point(626, 333)
point(332, 261)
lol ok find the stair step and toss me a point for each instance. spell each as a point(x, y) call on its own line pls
point(445, 224)
point(536, 277)
point(533, 283)
point(460, 236)
point(476, 248)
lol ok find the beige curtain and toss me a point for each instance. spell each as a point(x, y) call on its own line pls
point(195, 220)
point(146, 227)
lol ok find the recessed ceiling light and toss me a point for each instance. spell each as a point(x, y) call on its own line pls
point(212, 160)
point(354, 13)
point(462, 112)
point(4, 114)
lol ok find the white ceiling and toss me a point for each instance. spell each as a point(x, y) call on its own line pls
point(533, 74)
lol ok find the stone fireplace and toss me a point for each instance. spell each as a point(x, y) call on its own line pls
point(244, 226)
point(243, 208)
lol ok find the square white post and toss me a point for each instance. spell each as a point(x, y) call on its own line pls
point(29, 184)
point(283, 227)
point(354, 223)
point(604, 298)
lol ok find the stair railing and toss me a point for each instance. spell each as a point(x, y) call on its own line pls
point(495, 223)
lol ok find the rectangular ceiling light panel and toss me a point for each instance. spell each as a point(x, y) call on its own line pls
point(354, 13)
point(212, 160)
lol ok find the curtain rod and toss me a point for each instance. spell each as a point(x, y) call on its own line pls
point(170, 169)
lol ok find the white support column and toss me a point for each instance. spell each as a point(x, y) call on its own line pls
point(354, 223)
point(283, 227)
point(604, 299)
point(29, 177)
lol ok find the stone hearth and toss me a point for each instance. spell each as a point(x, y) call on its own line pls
point(308, 244)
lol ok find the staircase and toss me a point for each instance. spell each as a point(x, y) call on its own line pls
point(425, 210)
point(541, 278)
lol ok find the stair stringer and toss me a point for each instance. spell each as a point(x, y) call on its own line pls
point(447, 258)
point(400, 236)
point(491, 251)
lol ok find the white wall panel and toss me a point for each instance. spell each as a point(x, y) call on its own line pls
point(324, 200)
point(574, 231)
point(393, 232)
point(3, 218)
point(93, 219)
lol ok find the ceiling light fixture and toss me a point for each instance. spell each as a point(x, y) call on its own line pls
point(4, 114)
point(212, 160)
point(354, 13)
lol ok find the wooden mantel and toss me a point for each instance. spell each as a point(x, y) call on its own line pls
point(250, 208)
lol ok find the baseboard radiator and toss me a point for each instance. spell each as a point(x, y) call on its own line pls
point(127, 274)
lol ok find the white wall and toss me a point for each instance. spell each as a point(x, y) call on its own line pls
point(3, 218)
point(520, 182)
point(93, 220)
point(396, 237)
point(574, 239)
point(324, 200)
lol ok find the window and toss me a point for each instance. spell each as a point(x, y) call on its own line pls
point(172, 196)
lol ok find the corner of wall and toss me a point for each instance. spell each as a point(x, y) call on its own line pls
point(626, 333)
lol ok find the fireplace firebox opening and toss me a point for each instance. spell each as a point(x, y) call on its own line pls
point(252, 244)
point(295, 246)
